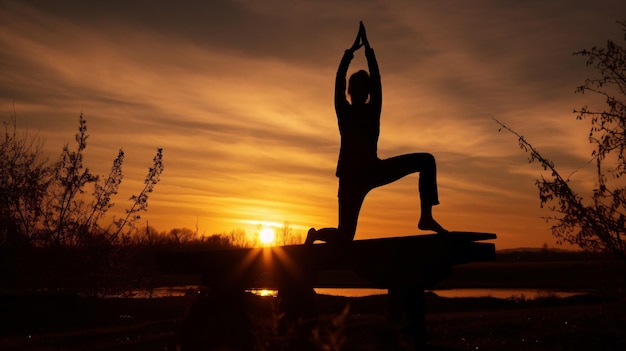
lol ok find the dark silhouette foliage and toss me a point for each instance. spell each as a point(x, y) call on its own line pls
point(596, 223)
point(62, 203)
point(55, 234)
point(24, 180)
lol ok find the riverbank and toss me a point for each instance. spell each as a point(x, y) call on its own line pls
point(584, 322)
point(594, 321)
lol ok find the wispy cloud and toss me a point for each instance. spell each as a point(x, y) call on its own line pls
point(239, 95)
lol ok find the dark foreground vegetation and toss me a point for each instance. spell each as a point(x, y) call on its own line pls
point(575, 323)
point(594, 320)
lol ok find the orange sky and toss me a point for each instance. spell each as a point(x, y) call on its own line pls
point(239, 94)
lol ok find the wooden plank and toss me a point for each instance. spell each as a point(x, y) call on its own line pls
point(383, 262)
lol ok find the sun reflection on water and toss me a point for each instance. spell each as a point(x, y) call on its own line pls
point(264, 292)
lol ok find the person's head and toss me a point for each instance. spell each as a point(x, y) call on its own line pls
point(359, 87)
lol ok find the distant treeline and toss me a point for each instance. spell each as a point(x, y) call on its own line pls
point(56, 234)
point(545, 254)
point(103, 267)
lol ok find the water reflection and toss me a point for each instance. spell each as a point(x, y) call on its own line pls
point(171, 291)
point(506, 293)
point(350, 292)
point(466, 292)
point(162, 291)
point(264, 292)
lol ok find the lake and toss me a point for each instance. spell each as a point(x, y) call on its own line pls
point(170, 291)
point(466, 292)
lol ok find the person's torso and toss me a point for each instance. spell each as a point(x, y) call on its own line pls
point(359, 127)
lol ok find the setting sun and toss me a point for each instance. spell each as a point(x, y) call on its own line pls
point(262, 148)
point(267, 236)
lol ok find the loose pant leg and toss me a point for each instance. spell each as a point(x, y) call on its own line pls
point(391, 169)
point(351, 198)
point(352, 189)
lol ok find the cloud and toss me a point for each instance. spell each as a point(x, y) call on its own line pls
point(239, 95)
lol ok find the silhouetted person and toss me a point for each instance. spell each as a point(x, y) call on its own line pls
point(359, 169)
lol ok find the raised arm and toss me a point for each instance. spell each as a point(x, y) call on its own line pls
point(376, 92)
point(340, 80)
point(342, 71)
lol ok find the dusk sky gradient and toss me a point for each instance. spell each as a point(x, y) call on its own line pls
point(239, 94)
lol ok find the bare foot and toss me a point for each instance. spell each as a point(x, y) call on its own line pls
point(310, 237)
point(431, 224)
point(327, 235)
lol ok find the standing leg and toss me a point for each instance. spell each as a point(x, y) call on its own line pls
point(351, 195)
point(350, 202)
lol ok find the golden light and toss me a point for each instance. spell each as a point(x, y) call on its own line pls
point(264, 292)
point(267, 236)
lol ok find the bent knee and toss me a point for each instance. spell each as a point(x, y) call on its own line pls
point(426, 157)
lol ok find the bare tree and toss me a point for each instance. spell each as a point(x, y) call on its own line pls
point(182, 235)
point(102, 194)
point(65, 207)
point(24, 179)
point(148, 236)
point(52, 204)
point(286, 236)
point(598, 223)
point(238, 238)
point(139, 202)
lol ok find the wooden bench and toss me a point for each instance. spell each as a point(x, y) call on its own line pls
point(405, 266)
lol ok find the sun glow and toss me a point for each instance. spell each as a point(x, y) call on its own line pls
point(267, 236)
point(264, 292)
